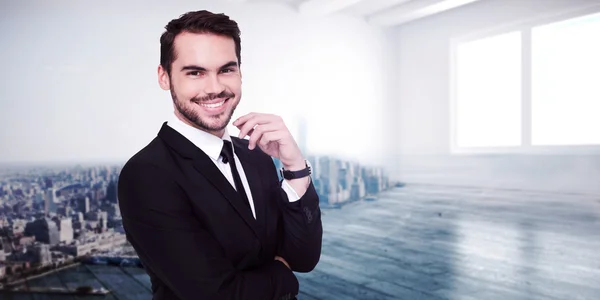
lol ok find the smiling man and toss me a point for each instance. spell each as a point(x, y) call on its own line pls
point(205, 211)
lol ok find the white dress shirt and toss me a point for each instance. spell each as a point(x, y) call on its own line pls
point(212, 145)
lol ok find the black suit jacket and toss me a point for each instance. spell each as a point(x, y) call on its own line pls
point(195, 236)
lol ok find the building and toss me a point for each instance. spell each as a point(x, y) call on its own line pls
point(104, 241)
point(45, 230)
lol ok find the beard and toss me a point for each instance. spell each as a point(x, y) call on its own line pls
point(193, 116)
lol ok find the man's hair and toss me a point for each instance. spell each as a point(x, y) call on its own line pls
point(201, 21)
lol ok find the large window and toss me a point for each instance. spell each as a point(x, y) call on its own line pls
point(531, 87)
point(565, 86)
point(488, 90)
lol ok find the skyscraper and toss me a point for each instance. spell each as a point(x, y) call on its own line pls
point(50, 201)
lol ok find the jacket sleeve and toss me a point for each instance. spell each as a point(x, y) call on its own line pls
point(301, 232)
point(173, 246)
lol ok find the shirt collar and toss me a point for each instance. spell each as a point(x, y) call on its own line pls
point(208, 143)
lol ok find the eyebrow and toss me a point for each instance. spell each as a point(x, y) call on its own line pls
point(198, 68)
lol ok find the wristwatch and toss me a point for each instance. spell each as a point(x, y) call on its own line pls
point(287, 174)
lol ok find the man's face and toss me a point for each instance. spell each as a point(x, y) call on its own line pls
point(205, 81)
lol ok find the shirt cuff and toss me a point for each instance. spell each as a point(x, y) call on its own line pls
point(289, 190)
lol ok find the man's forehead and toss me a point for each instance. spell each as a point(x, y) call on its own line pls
point(210, 50)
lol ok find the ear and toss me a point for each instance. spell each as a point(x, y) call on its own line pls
point(163, 78)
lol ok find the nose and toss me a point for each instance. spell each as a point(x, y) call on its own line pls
point(213, 85)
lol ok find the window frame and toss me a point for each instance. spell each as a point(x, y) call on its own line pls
point(525, 27)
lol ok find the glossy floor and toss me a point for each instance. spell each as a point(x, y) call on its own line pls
point(430, 242)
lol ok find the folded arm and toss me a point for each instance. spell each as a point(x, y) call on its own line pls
point(173, 245)
point(302, 232)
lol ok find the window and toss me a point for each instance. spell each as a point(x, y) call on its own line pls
point(534, 86)
point(489, 92)
point(565, 95)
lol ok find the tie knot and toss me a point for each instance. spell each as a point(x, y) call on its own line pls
point(227, 151)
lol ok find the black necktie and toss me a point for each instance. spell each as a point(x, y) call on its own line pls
point(227, 154)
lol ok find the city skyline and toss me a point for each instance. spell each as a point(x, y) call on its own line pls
point(53, 217)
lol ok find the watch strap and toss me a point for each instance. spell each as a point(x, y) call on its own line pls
point(287, 174)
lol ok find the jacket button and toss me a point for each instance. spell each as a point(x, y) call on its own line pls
point(308, 214)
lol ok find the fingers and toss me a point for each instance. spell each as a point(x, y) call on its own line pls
point(262, 128)
point(245, 128)
point(281, 259)
point(250, 132)
point(247, 122)
point(243, 119)
point(271, 136)
point(259, 132)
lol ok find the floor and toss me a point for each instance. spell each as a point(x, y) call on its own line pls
point(431, 242)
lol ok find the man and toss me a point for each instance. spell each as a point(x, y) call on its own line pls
point(205, 211)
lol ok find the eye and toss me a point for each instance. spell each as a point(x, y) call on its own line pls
point(194, 73)
point(228, 70)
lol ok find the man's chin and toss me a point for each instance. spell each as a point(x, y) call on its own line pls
point(209, 122)
point(213, 125)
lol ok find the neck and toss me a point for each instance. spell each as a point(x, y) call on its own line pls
point(218, 134)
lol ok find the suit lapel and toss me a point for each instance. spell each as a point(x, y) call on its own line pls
point(205, 166)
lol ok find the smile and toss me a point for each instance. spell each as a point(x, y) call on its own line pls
point(214, 105)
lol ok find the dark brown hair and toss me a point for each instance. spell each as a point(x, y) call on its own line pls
point(201, 21)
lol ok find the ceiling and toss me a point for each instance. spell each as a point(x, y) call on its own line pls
point(377, 12)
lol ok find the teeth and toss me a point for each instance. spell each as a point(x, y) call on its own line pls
point(213, 105)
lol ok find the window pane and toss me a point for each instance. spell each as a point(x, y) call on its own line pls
point(488, 92)
point(566, 82)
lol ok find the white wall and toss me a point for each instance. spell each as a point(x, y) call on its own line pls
point(87, 69)
point(422, 109)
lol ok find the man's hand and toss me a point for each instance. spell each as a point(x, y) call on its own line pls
point(279, 258)
point(273, 137)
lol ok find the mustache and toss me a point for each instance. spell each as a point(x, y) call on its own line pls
point(221, 95)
